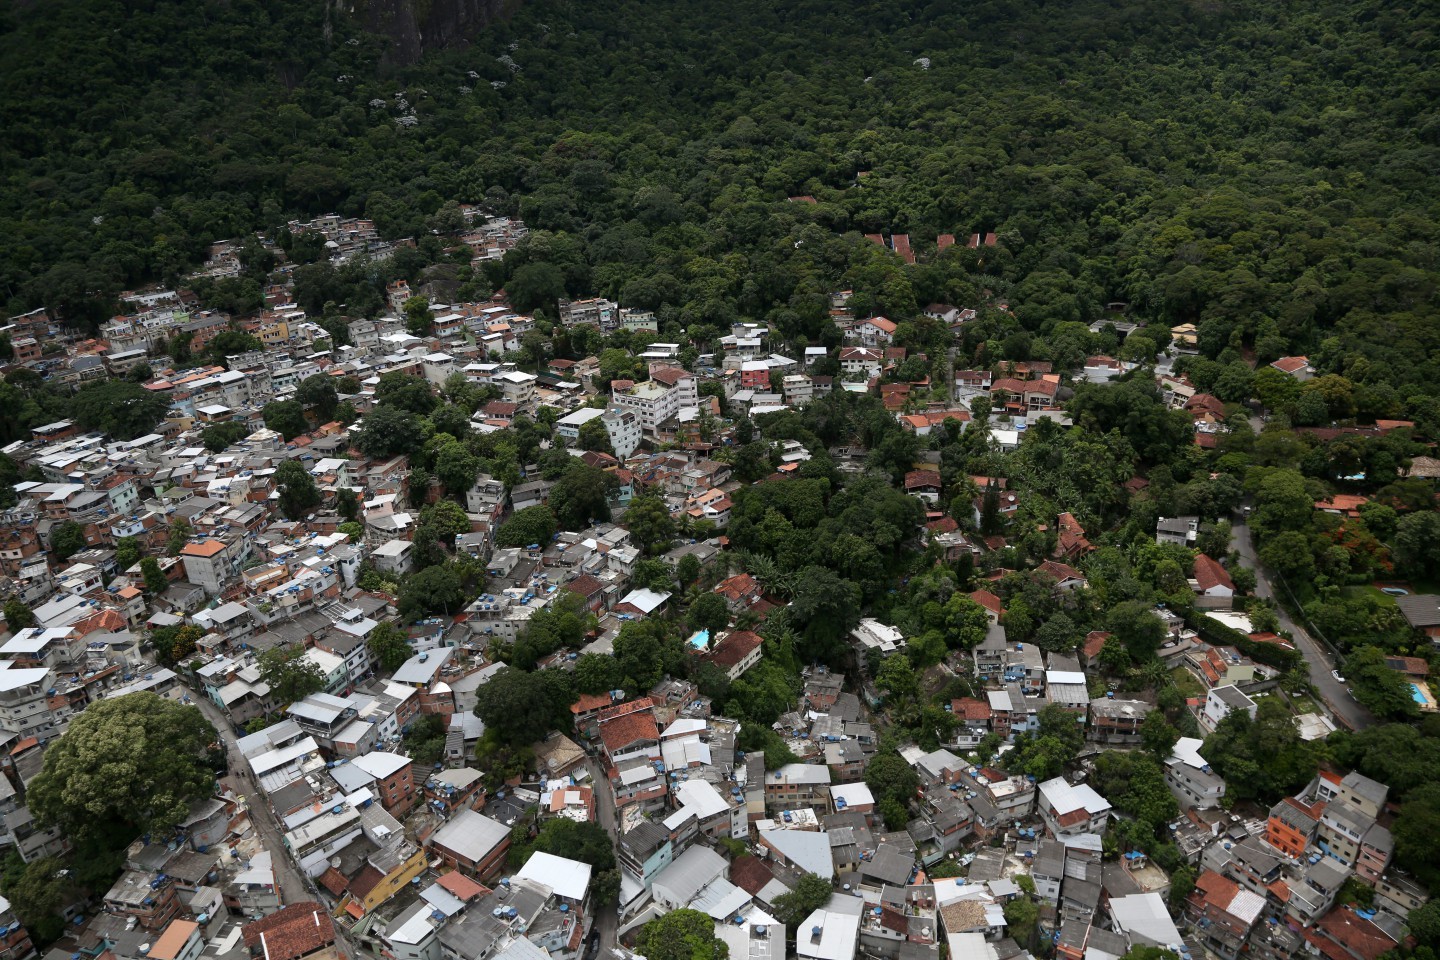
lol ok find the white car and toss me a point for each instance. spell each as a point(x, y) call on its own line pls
point(1336, 675)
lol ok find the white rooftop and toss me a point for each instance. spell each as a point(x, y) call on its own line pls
point(567, 878)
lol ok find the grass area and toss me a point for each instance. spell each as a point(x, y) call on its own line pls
point(1187, 684)
point(1367, 590)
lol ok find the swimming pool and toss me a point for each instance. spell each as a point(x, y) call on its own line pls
point(701, 640)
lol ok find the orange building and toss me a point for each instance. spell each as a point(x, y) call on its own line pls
point(1291, 826)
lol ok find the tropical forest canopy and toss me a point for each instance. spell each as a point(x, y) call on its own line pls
point(1262, 169)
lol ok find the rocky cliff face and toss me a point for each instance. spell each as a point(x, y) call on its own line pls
point(416, 27)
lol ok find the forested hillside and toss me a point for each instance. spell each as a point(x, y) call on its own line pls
point(1263, 169)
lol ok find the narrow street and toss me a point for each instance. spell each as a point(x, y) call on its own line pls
point(606, 918)
point(1332, 692)
point(293, 884)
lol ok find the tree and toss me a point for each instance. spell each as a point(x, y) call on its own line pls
point(389, 647)
point(116, 407)
point(388, 432)
point(1158, 736)
point(1282, 502)
point(1382, 690)
point(285, 417)
point(681, 935)
point(435, 589)
point(532, 525)
point(810, 894)
point(1143, 952)
point(220, 436)
point(897, 678)
point(457, 468)
point(125, 767)
point(652, 574)
point(418, 318)
point(1135, 624)
point(39, 891)
point(1021, 916)
point(687, 570)
point(17, 615)
point(347, 504)
point(317, 392)
point(535, 285)
point(593, 435)
point(179, 535)
point(174, 643)
point(156, 582)
point(1424, 924)
point(892, 780)
point(649, 522)
point(828, 607)
point(290, 674)
point(1415, 831)
point(1417, 544)
point(581, 496)
point(67, 540)
point(708, 612)
point(298, 493)
point(406, 391)
point(517, 706)
point(445, 520)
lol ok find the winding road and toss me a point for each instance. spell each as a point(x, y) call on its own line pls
point(1332, 692)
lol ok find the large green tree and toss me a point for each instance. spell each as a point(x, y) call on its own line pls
point(290, 675)
point(681, 935)
point(127, 766)
point(298, 493)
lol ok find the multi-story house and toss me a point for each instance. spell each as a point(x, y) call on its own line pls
point(796, 786)
point(658, 399)
point(1190, 779)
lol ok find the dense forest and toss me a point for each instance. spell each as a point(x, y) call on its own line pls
point(1260, 169)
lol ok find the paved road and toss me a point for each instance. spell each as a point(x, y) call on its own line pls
point(1317, 657)
point(606, 918)
point(294, 885)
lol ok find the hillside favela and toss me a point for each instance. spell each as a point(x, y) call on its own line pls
point(765, 480)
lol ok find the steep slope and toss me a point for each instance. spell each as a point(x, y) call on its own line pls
point(417, 27)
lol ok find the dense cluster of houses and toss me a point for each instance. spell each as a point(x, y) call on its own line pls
point(415, 860)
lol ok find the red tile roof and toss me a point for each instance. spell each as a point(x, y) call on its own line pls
point(1060, 571)
point(670, 375)
point(750, 874)
point(589, 702)
point(1208, 574)
point(291, 932)
point(334, 881)
point(738, 587)
point(462, 886)
point(735, 647)
point(585, 585)
point(922, 479)
point(1291, 364)
point(104, 620)
point(1342, 934)
point(1094, 641)
point(968, 708)
point(989, 601)
point(621, 732)
point(365, 881)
